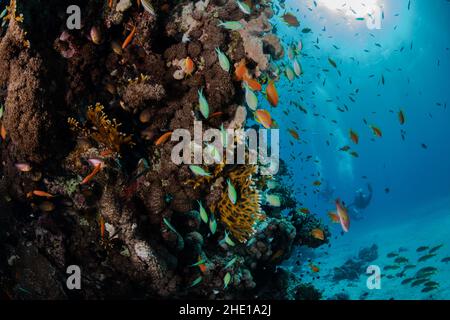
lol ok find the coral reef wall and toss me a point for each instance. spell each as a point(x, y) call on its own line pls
point(105, 195)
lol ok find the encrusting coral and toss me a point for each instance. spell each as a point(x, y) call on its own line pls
point(102, 130)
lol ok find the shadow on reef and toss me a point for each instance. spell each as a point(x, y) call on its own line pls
point(136, 223)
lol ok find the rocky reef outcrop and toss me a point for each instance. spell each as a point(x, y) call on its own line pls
point(86, 173)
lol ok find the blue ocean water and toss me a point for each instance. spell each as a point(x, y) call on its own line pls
point(405, 65)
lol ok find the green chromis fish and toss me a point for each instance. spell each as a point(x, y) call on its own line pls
point(226, 280)
point(203, 214)
point(243, 7)
point(231, 25)
point(169, 225)
point(212, 224)
point(196, 282)
point(230, 263)
point(297, 68)
point(199, 171)
point(204, 106)
point(223, 60)
point(250, 98)
point(232, 194)
point(228, 240)
point(273, 200)
point(202, 261)
point(3, 14)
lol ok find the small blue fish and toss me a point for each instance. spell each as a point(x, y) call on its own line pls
point(223, 60)
point(232, 194)
point(231, 25)
point(204, 106)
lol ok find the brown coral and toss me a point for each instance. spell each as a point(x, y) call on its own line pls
point(241, 217)
point(103, 130)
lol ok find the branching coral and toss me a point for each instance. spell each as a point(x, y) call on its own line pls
point(240, 217)
point(101, 129)
point(12, 16)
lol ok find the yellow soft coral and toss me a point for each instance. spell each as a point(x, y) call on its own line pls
point(240, 218)
point(102, 130)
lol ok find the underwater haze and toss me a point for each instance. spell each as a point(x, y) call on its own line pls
point(403, 66)
point(111, 189)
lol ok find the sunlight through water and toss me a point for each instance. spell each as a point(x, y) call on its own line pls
point(357, 8)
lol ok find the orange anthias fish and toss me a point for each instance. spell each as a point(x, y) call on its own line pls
point(354, 136)
point(129, 38)
point(106, 153)
point(92, 174)
point(263, 116)
point(215, 114)
point(401, 117)
point(377, 131)
point(40, 193)
point(252, 83)
point(333, 217)
point(343, 216)
point(272, 94)
point(163, 138)
point(314, 268)
point(188, 66)
point(3, 132)
point(101, 221)
point(294, 134)
point(317, 183)
point(241, 70)
point(318, 234)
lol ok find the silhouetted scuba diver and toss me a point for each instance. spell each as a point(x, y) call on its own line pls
point(360, 202)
